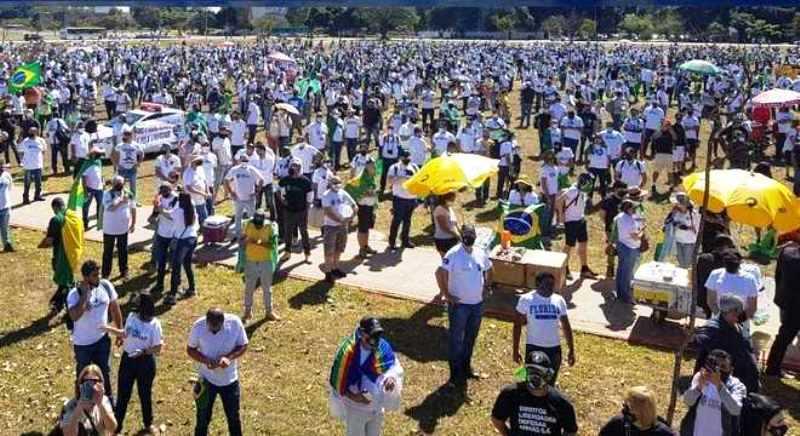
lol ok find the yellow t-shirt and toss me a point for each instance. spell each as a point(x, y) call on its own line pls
point(253, 251)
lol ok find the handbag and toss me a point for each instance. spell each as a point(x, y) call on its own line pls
point(645, 245)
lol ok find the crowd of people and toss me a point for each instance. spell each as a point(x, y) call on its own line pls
point(610, 121)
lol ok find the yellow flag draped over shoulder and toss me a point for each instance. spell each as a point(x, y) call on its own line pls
point(72, 237)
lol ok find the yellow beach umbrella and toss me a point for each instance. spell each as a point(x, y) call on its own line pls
point(450, 173)
point(748, 198)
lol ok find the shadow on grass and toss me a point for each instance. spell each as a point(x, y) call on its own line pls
point(489, 215)
point(313, 295)
point(406, 335)
point(36, 328)
point(444, 401)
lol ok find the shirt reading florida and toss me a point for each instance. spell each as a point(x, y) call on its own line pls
point(545, 311)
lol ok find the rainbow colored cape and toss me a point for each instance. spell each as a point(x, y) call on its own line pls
point(346, 371)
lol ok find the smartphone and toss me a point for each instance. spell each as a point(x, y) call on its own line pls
point(87, 391)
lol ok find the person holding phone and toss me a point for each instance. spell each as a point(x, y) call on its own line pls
point(714, 399)
point(91, 409)
point(142, 342)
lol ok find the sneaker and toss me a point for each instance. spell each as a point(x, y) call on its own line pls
point(170, 300)
point(475, 375)
point(39, 198)
point(337, 273)
point(189, 292)
point(330, 278)
point(362, 253)
point(408, 245)
point(272, 316)
point(9, 248)
point(587, 273)
point(392, 247)
point(369, 250)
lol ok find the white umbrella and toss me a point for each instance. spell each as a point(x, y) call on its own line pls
point(288, 108)
point(777, 97)
point(280, 57)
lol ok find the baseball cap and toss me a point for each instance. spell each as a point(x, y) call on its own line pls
point(370, 326)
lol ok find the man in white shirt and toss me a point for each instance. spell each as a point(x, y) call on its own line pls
point(630, 170)
point(79, 147)
point(339, 208)
point(390, 153)
point(418, 148)
point(544, 312)
point(633, 129)
point(253, 115)
point(691, 125)
point(317, 133)
point(629, 232)
point(238, 131)
point(92, 179)
point(571, 130)
point(32, 148)
point(731, 280)
point(403, 202)
point(509, 150)
point(167, 166)
point(716, 397)
point(571, 204)
point(653, 119)
point(221, 146)
point(352, 133)
point(198, 187)
point(307, 154)
point(240, 183)
point(91, 305)
point(217, 342)
point(119, 219)
point(264, 163)
point(126, 157)
point(58, 136)
point(441, 140)
point(464, 278)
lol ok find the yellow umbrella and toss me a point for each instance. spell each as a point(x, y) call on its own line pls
point(748, 198)
point(450, 173)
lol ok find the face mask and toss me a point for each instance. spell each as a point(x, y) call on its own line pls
point(406, 161)
point(363, 152)
point(118, 187)
point(468, 240)
point(779, 430)
point(258, 222)
point(535, 381)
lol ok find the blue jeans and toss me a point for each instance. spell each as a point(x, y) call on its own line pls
point(684, 254)
point(352, 145)
point(182, 257)
point(98, 353)
point(230, 396)
point(572, 144)
point(626, 263)
point(465, 321)
point(160, 258)
point(130, 176)
point(35, 177)
point(97, 196)
point(402, 211)
point(5, 235)
point(202, 213)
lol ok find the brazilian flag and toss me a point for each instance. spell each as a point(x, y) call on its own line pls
point(522, 223)
point(358, 186)
point(303, 85)
point(26, 76)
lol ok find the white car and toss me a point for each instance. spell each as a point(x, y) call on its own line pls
point(153, 126)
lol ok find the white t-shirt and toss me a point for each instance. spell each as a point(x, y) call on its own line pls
point(129, 155)
point(238, 133)
point(198, 181)
point(167, 165)
point(549, 174)
point(341, 202)
point(466, 273)
point(574, 204)
point(417, 150)
point(571, 128)
point(708, 419)
point(598, 157)
point(33, 153)
point(631, 172)
point(653, 117)
point(88, 328)
point(399, 173)
point(265, 165)
point(544, 316)
point(141, 335)
point(741, 284)
point(627, 224)
point(214, 346)
point(633, 129)
point(440, 140)
point(80, 140)
point(515, 198)
point(317, 133)
point(690, 218)
point(306, 154)
point(689, 125)
point(117, 221)
point(613, 139)
point(222, 147)
point(320, 178)
point(352, 126)
point(245, 178)
point(5, 189)
point(93, 177)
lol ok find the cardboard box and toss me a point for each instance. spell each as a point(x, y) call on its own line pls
point(537, 261)
point(507, 272)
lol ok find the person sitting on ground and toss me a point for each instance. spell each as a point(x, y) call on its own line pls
point(522, 194)
point(638, 417)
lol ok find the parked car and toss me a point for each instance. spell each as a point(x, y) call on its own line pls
point(153, 126)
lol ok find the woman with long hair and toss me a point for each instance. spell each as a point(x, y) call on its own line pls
point(445, 223)
point(90, 410)
point(142, 342)
point(185, 228)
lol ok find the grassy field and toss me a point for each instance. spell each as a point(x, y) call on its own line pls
point(284, 372)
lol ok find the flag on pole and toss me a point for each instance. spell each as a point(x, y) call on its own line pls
point(25, 76)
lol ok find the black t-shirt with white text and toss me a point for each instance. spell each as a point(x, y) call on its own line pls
point(529, 415)
point(295, 191)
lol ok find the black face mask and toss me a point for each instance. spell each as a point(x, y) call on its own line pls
point(258, 222)
point(732, 267)
point(779, 430)
point(468, 240)
point(292, 172)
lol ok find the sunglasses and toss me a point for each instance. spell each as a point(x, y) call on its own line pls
point(91, 380)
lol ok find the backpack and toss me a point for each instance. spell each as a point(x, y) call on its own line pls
point(68, 320)
point(61, 135)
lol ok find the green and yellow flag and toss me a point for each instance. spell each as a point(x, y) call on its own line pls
point(358, 186)
point(25, 76)
point(522, 223)
point(68, 259)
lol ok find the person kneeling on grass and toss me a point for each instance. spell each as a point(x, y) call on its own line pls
point(259, 239)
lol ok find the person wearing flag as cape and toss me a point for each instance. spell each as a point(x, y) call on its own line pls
point(366, 379)
point(363, 188)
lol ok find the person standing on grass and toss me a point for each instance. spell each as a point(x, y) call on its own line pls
point(533, 406)
point(264, 163)
point(464, 278)
point(238, 131)
point(365, 371)
point(79, 146)
point(58, 135)
point(32, 148)
point(787, 298)
point(240, 183)
point(142, 342)
point(544, 312)
point(90, 304)
point(198, 187)
point(92, 179)
point(221, 146)
point(715, 399)
point(184, 240)
point(253, 115)
point(259, 240)
point(390, 153)
point(126, 157)
point(166, 201)
point(339, 209)
point(571, 204)
point(62, 273)
point(295, 195)
point(627, 233)
point(6, 183)
point(216, 343)
point(119, 219)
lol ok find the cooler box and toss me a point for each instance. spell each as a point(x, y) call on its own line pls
point(554, 262)
point(663, 286)
point(215, 228)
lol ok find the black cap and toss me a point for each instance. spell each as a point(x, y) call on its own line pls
point(538, 359)
point(370, 326)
